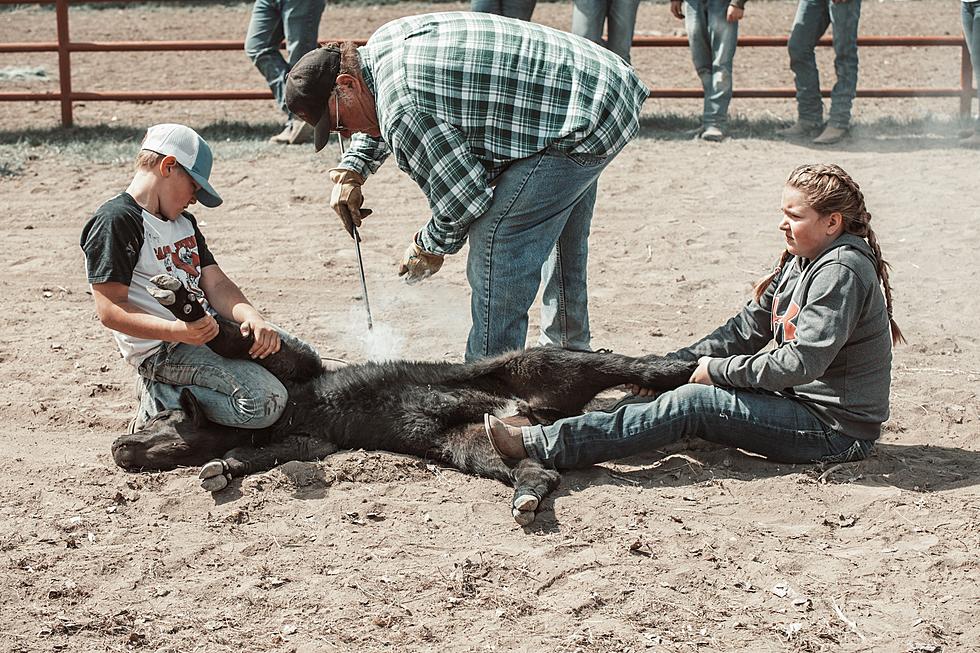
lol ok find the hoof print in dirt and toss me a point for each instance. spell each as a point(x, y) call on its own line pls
point(171, 293)
point(215, 476)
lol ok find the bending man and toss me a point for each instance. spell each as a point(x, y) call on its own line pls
point(506, 127)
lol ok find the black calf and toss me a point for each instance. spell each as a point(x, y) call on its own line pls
point(432, 410)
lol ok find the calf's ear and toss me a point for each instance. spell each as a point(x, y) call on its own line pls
point(192, 407)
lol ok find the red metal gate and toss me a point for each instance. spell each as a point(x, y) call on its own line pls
point(66, 96)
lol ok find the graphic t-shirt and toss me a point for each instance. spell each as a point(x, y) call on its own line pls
point(126, 244)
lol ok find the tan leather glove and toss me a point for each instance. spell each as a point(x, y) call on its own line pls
point(418, 264)
point(346, 198)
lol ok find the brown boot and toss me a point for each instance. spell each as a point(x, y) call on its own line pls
point(830, 135)
point(507, 441)
point(799, 129)
point(296, 132)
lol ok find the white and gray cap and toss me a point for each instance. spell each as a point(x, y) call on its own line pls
point(191, 151)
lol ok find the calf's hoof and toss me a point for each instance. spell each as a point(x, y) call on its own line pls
point(215, 476)
point(523, 517)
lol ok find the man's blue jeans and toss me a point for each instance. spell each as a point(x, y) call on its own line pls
point(537, 226)
point(971, 32)
point(232, 392)
point(297, 21)
point(521, 9)
point(779, 428)
point(590, 16)
point(812, 19)
point(712, 39)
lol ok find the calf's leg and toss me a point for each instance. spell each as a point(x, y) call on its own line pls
point(295, 361)
point(467, 449)
point(242, 461)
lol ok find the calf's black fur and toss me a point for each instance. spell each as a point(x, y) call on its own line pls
point(431, 410)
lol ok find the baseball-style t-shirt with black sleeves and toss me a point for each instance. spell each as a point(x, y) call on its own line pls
point(124, 243)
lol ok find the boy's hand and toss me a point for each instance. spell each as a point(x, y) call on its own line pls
point(735, 13)
point(266, 338)
point(701, 375)
point(196, 333)
point(675, 8)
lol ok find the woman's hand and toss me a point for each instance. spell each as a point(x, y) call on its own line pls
point(701, 375)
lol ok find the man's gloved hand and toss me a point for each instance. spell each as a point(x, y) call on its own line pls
point(346, 198)
point(418, 264)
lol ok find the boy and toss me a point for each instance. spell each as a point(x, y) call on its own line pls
point(147, 231)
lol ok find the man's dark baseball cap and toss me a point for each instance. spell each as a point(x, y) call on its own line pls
point(308, 87)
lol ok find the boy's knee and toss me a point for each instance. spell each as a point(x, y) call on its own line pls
point(262, 408)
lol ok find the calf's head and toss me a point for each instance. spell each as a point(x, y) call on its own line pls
point(173, 438)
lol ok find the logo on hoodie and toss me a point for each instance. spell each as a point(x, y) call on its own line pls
point(786, 321)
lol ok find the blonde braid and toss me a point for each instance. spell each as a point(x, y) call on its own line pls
point(759, 289)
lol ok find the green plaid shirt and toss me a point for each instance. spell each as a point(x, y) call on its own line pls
point(460, 95)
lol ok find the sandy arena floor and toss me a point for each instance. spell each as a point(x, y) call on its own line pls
point(368, 551)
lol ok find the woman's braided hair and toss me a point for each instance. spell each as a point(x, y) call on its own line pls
point(828, 190)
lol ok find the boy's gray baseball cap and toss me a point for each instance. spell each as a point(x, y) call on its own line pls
point(191, 151)
point(308, 87)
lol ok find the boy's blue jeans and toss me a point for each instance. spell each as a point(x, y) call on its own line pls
point(232, 392)
point(812, 19)
point(712, 39)
point(590, 16)
point(537, 226)
point(971, 32)
point(297, 21)
point(779, 428)
point(521, 9)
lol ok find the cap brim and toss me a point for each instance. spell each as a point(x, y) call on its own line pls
point(321, 132)
point(207, 195)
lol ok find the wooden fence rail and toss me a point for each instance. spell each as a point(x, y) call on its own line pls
point(64, 46)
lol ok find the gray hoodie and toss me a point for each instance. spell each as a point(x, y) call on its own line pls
point(832, 340)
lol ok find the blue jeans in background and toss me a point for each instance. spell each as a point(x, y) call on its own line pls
point(297, 21)
point(232, 392)
point(537, 226)
point(712, 39)
point(590, 16)
point(779, 428)
point(971, 32)
point(812, 19)
point(521, 9)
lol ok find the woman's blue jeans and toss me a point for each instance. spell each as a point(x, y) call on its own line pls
point(971, 31)
point(590, 16)
point(812, 19)
point(712, 39)
point(232, 392)
point(536, 227)
point(521, 9)
point(296, 21)
point(779, 428)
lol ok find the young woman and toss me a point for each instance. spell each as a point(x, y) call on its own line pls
point(819, 395)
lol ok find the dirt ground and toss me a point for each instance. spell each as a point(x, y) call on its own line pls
point(707, 551)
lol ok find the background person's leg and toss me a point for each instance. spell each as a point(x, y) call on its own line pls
point(622, 24)
point(696, 23)
point(844, 16)
point(812, 20)
point(970, 12)
point(723, 37)
point(589, 18)
point(520, 9)
point(486, 6)
point(265, 32)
